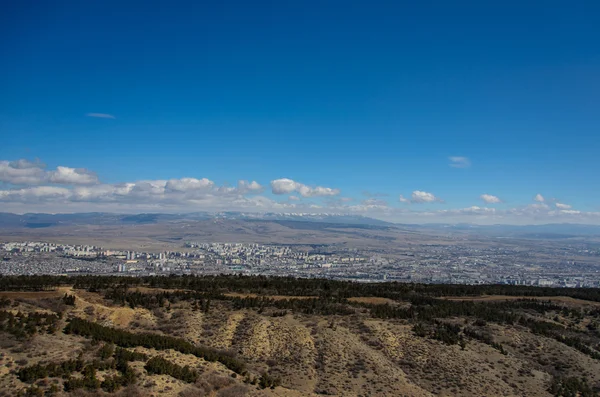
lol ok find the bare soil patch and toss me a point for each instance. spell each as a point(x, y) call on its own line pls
point(36, 294)
point(372, 300)
point(491, 298)
point(274, 297)
point(30, 294)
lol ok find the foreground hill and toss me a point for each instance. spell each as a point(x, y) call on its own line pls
point(257, 336)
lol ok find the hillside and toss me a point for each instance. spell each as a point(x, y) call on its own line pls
point(258, 336)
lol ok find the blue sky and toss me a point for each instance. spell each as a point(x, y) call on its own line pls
point(363, 98)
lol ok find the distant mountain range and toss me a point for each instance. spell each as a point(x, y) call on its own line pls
point(550, 230)
point(40, 220)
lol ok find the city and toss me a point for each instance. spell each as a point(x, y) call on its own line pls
point(575, 266)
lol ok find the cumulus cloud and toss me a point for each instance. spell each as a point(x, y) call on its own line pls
point(22, 172)
point(153, 196)
point(25, 172)
point(403, 199)
point(26, 164)
point(249, 187)
point(283, 186)
point(459, 162)
point(145, 188)
point(286, 186)
point(188, 184)
point(72, 176)
point(95, 193)
point(489, 199)
point(67, 189)
point(35, 193)
point(539, 198)
point(420, 197)
point(83, 187)
point(101, 115)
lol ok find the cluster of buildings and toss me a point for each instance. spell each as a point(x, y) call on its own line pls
point(458, 263)
point(265, 258)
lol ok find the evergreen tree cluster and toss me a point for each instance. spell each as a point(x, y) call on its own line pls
point(483, 337)
point(558, 333)
point(428, 309)
point(201, 301)
point(322, 306)
point(123, 338)
point(4, 302)
point(89, 380)
point(510, 312)
point(23, 325)
point(124, 355)
point(110, 358)
point(449, 334)
point(160, 366)
point(270, 285)
point(51, 370)
point(69, 300)
point(571, 387)
point(106, 351)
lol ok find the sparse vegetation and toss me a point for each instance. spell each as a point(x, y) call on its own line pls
point(122, 338)
point(301, 331)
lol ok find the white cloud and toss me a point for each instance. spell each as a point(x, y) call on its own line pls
point(152, 196)
point(286, 186)
point(25, 172)
point(101, 115)
point(188, 184)
point(152, 188)
point(24, 164)
point(459, 162)
point(46, 191)
point(35, 193)
point(570, 212)
point(375, 202)
point(95, 193)
point(368, 207)
point(421, 197)
point(247, 187)
point(82, 192)
point(72, 176)
point(319, 191)
point(22, 172)
point(283, 186)
point(539, 198)
point(489, 199)
point(473, 210)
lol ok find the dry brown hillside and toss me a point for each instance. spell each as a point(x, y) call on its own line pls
point(296, 354)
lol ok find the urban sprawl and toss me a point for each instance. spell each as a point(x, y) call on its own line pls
point(427, 264)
